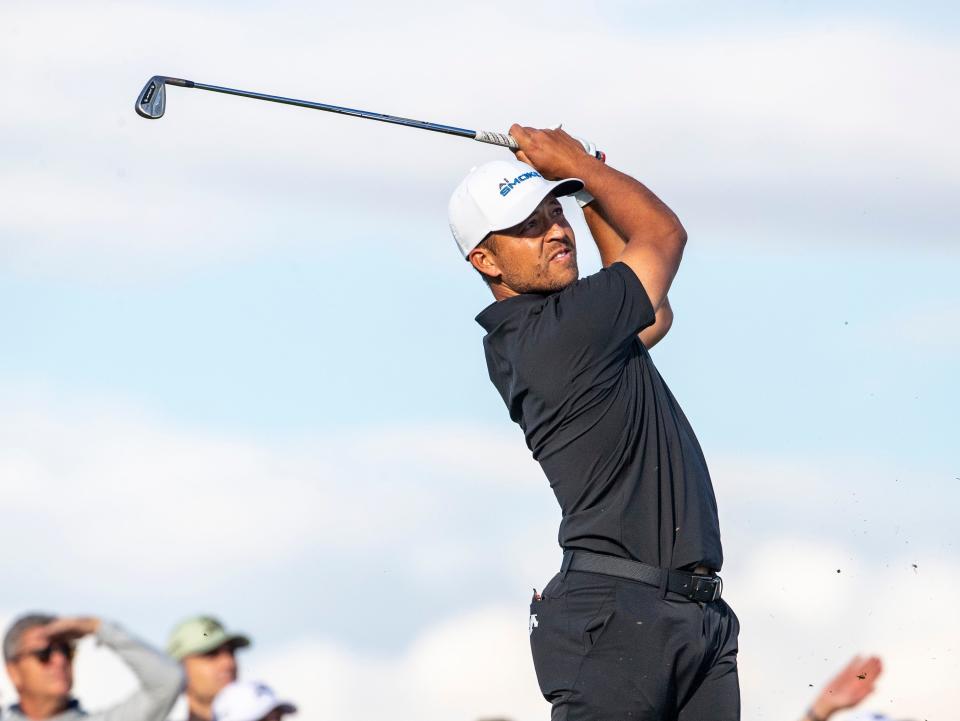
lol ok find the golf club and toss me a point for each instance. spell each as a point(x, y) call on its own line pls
point(152, 102)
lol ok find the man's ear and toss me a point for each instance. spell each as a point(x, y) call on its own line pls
point(486, 262)
point(14, 673)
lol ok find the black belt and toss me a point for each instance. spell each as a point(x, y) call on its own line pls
point(690, 585)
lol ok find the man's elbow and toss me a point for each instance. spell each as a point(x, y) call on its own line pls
point(655, 333)
point(168, 680)
point(667, 319)
point(664, 319)
point(168, 687)
point(671, 241)
point(679, 235)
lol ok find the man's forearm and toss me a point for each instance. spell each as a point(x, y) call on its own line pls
point(609, 241)
point(654, 237)
point(160, 677)
point(611, 244)
point(626, 205)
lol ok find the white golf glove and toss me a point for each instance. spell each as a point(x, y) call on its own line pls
point(582, 196)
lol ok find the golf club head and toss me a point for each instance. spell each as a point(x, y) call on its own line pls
point(152, 100)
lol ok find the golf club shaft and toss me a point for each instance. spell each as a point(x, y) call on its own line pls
point(483, 136)
point(151, 103)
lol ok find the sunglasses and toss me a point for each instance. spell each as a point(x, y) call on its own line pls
point(43, 655)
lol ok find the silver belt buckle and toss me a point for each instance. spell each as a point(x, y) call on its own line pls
point(707, 583)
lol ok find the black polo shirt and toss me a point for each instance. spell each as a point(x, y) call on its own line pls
point(619, 453)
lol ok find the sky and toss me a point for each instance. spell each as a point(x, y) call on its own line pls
point(240, 373)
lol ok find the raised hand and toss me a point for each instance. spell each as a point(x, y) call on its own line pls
point(70, 628)
point(849, 687)
point(554, 153)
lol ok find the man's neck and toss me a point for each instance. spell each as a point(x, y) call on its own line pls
point(502, 292)
point(42, 707)
point(200, 709)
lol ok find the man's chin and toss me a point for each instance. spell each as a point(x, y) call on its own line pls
point(548, 282)
point(569, 277)
point(560, 278)
point(59, 691)
point(556, 285)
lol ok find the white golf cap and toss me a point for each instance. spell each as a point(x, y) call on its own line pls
point(247, 701)
point(498, 195)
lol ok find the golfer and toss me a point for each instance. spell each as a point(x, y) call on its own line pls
point(632, 627)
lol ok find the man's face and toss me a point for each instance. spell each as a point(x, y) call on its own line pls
point(42, 668)
point(538, 255)
point(209, 672)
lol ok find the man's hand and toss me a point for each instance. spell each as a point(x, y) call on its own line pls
point(553, 153)
point(653, 236)
point(849, 687)
point(70, 629)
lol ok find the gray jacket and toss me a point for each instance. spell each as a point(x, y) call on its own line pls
point(160, 682)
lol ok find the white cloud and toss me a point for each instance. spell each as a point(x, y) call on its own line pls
point(807, 127)
point(796, 632)
point(72, 468)
point(799, 626)
point(132, 499)
point(70, 464)
point(474, 665)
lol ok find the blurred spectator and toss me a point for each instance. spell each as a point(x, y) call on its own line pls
point(38, 650)
point(845, 690)
point(207, 651)
point(250, 701)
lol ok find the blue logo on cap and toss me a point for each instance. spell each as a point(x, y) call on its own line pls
point(507, 185)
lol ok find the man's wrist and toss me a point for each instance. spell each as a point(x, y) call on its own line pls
point(583, 198)
point(86, 625)
point(819, 711)
point(591, 171)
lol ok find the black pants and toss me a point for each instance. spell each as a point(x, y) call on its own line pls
point(609, 649)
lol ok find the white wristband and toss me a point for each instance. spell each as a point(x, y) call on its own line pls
point(583, 198)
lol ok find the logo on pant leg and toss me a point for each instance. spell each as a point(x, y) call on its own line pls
point(533, 622)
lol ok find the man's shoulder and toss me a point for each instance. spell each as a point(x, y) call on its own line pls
point(509, 312)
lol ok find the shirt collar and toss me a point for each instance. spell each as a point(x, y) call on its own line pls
point(498, 311)
point(72, 705)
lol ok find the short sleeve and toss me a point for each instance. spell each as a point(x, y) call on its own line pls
point(605, 309)
point(581, 337)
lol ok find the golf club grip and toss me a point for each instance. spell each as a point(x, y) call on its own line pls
point(501, 139)
point(507, 141)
